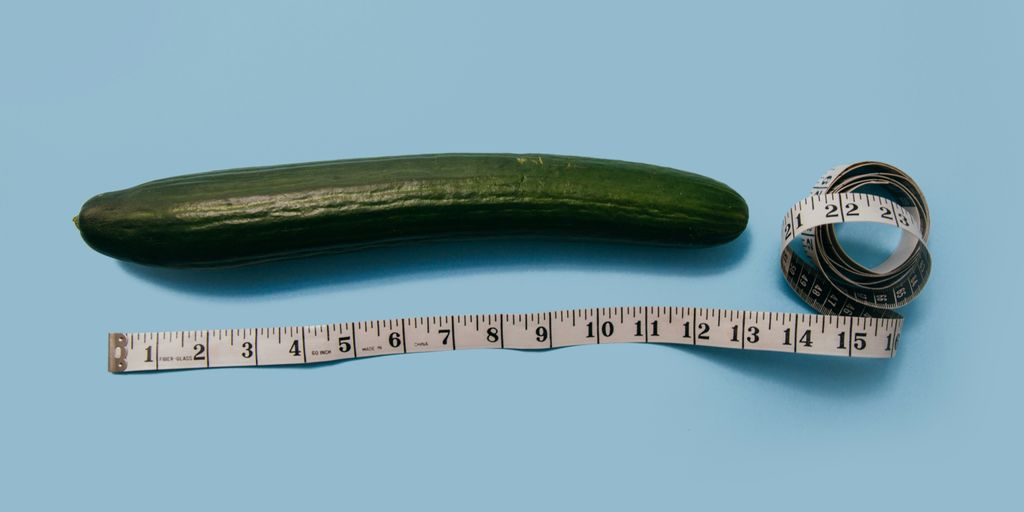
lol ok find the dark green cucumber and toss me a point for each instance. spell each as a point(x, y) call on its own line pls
point(256, 214)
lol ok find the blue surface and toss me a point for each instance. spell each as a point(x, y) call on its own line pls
point(97, 96)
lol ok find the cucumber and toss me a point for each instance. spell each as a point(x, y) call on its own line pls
point(251, 215)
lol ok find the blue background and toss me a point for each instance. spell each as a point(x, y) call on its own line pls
point(97, 96)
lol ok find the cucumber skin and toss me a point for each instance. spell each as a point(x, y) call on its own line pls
point(250, 215)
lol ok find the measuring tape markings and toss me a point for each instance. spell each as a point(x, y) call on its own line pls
point(872, 292)
point(784, 332)
point(856, 303)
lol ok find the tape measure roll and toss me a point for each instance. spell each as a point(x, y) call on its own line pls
point(833, 283)
point(856, 303)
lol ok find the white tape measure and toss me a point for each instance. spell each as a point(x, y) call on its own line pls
point(856, 303)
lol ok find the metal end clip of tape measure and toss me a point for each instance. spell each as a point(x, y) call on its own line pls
point(856, 303)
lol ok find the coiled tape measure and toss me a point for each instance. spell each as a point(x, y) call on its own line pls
point(856, 303)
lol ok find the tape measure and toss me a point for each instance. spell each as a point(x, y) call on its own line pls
point(856, 303)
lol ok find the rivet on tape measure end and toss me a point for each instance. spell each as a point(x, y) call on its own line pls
point(117, 352)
